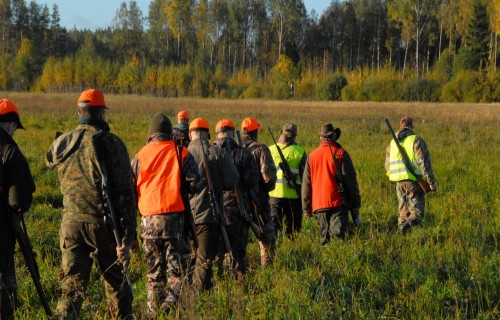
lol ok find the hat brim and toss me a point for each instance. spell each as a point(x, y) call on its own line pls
point(337, 132)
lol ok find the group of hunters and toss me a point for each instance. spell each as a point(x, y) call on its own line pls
point(197, 200)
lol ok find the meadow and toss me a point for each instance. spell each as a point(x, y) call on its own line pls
point(447, 269)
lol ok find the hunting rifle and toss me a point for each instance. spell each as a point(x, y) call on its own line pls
point(421, 182)
point(241, 204)
point(19, 229)
point(214, 202)
point(110, 218)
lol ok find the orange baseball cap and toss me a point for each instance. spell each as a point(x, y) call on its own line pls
point(91, 98)
point(183, 114)
point(9, 112)
point(224, 125)
point(249, 124)
point(199, 124)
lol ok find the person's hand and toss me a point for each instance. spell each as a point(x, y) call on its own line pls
point(134, 246)
point(433, 187)
point(307, 214)
point(123, 254)
point(355, 217)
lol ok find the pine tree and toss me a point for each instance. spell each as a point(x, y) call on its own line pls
point(478, 36)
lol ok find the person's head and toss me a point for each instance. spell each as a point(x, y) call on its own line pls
point(406, 122)
point(199, 128)
point(288, 133)
point(9, 117)
point(328, 132)
point(250, 128)
point(160, 123)
point(224, 129)
point(183, 116)
point(91, 104)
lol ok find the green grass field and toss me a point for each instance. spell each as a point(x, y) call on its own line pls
point(449, 268)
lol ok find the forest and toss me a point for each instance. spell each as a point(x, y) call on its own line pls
point(379, 50)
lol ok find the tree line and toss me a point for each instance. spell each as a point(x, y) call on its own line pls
point(258, 48)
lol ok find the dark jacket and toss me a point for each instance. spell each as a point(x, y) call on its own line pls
point(16, 182)
point(224, 174)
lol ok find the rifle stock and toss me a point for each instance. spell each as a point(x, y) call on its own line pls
point(421, 182)
point(287, 172)
point(213, 201)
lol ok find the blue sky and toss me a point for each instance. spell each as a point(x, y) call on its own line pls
point(94, 14)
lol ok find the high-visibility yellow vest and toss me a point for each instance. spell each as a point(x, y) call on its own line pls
point(293, 154)
point(397, 168)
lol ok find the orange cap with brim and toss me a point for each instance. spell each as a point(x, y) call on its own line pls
point(9, 112)
point(249, 124)
point(91, 98)
point(183, 114)
point(199, 124)
point(224, 125)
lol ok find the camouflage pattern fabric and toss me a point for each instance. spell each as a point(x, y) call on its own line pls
point(75, 159)
point(262, 209)
point(81, 244)
point(84, 237)
point(411, 199)
point(411, 203)
point(180, 134)
point(162, 240)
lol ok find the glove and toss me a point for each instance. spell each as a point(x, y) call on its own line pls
point(355, 217)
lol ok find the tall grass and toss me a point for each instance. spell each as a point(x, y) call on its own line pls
point(449, 268)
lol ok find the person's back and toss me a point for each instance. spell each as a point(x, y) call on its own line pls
point(16, 195)
point(224, 176)
point(84, 234)
point(267, 182)
point(285, 201)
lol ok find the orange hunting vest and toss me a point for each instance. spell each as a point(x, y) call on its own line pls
point(159, 180)
point(325, 190)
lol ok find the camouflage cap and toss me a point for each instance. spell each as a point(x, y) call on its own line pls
point(327, 131)
point(406, 122)
point(290, 130)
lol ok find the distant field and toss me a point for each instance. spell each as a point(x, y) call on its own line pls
point(449, 268)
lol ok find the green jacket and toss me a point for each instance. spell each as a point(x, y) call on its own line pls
point(77, 166)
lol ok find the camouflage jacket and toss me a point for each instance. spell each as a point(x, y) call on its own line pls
point(249, 179)
point(78, 169)
point(422, 155)
point(180, 134)
point(16, 182)
point(265, 162)
point(224, 174)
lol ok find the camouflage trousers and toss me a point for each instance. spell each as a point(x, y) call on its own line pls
point(289, 210)
point(332, 223)
point(267, 243)
point(162, 246)
point(81, 244)
point(411, 203)
point(237, 232)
